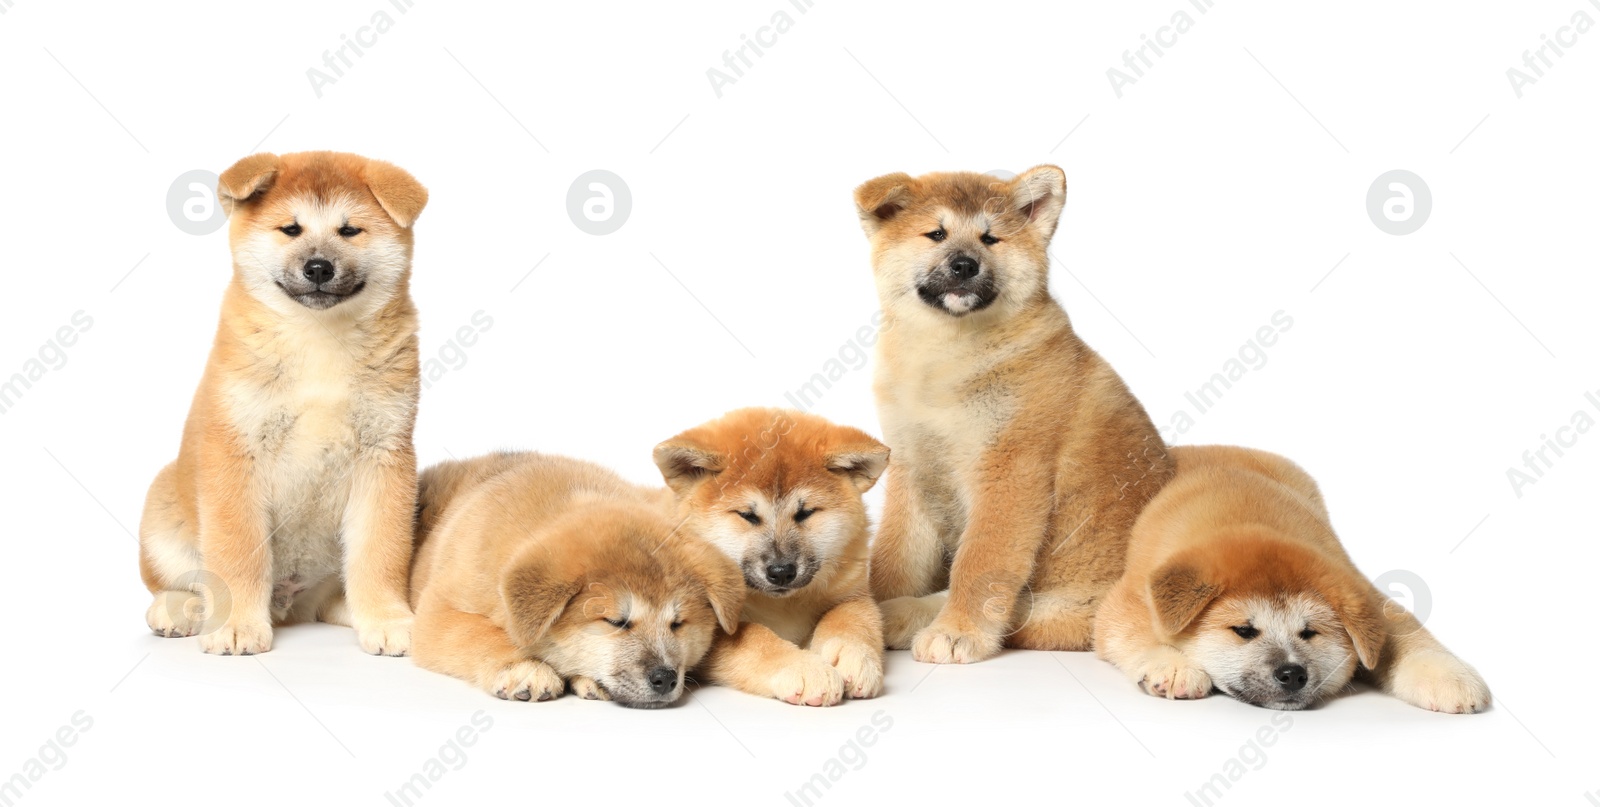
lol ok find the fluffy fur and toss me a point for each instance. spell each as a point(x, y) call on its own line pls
point(1236, 581)
point(779, 492)
point(1020, 458)
point(537, 573)
point(296, 468)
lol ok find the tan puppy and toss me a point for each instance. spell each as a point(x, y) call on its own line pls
point(296, 467)
point(1236, 580)
point(779, 492)
point(1020, 458)
point(536, 572)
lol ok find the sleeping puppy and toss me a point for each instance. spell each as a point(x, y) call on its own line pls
point(779, 492)
point(1235, 580)
point(534, 573)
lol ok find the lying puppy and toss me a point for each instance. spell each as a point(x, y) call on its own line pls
point(779, 492)
point(534, 573)
point(1236, 580)
point(1020, 458)
point(295, 485)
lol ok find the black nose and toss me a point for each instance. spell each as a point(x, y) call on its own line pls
point(662, 679)
point(319, 271)
point(782, 574)
point(964, 267)
point(1291, 677)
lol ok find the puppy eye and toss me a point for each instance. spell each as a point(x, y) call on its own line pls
point(803, 513)
point(750, 516)
point(676, 623)
point(937, 235)
point(618, 623)
point(1307, 634)
point(349, 232)
point(291, 230)
point(1246, 632)
point(988, 240)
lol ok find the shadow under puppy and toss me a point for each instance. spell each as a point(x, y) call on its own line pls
point(534, 573)
point(295, 485)
point(779, 492)
point(1237, 581)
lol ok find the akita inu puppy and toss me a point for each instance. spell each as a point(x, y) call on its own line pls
point(1236, 581)
point(534, 573)
point(294, 490)
point(779, 492)
point(1020, 458)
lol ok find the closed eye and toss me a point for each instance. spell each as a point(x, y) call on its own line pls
point(349, 232)
point(1307, 634)
point(676, 623)
point(618, 623)
point(803, 513)
point(750, 516)
point(988, 240)
point(1246, 632)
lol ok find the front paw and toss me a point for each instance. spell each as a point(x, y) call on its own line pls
point(587, 688)
point(861, 665)
point(1169, 674)
point(808, 680)
point(1439, 682)
point(944, 643)
point(525, 680)
point(904, 617)
point(238, 639)
point(386, 637)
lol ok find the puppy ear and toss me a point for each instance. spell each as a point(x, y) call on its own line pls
point(1178, 593)
point(1038, 194)
point(1361, 612)
point(535, 594)
point(879, 200)
point(863, 462)
point(245, 179)
point(723, 582)
point(685, 462)
point(400, 194)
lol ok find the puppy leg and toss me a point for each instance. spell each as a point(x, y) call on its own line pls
point(760, 662)
point(906, 557)
point(378, 530)
point(850, 637)
point(471, 647)
point(1123, 636)
point(1054, 620)
point(1418, 669)
point(905, 617)
point(169, 562)
point(235, 547)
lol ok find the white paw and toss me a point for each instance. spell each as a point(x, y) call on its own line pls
point(1439, 682)
point(809, 681)
point(943, 643)
point(1167, 673)
point(238, 639)
point(905, 617)
point(525, 680)
point(171, 616)
point(861, 666)
point(388, 637)
point(586, 688)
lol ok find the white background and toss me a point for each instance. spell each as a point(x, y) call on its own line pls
point(1222, 187)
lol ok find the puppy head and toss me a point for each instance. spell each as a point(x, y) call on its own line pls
point(612, 592)
point(319, 230)
point(954, 244)
point(1272, 623)
point(777, 491)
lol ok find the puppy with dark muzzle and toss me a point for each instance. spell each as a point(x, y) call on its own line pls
point(294, 488)
point(1236, 581)
point(779, 492)
point(535, 574)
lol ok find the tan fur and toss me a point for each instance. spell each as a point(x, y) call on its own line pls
point(821, 639)
point(1020, 458)
point(296, 466)
point(534, 573)
point(1238, 534)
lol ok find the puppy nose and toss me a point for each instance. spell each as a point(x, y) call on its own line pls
point(1291, 677)
point(662, 679)
point(319, 271)
point(964, 267)
point(782, 574)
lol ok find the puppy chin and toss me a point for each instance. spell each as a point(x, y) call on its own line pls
point(956, 302)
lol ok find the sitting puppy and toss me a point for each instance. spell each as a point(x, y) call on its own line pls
point(1236, 580)
point(534, 573)
point(779, 492)
point(295, 485)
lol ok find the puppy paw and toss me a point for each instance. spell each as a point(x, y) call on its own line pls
point(388, 637)
point(1167, 673)
point(809, 681)
point(169, 618)
point(905, 617)
point(941, 643)
point(238, 639)
point(588, 689)
point(861, 665)
point(525, 680)
point(1439, 682)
